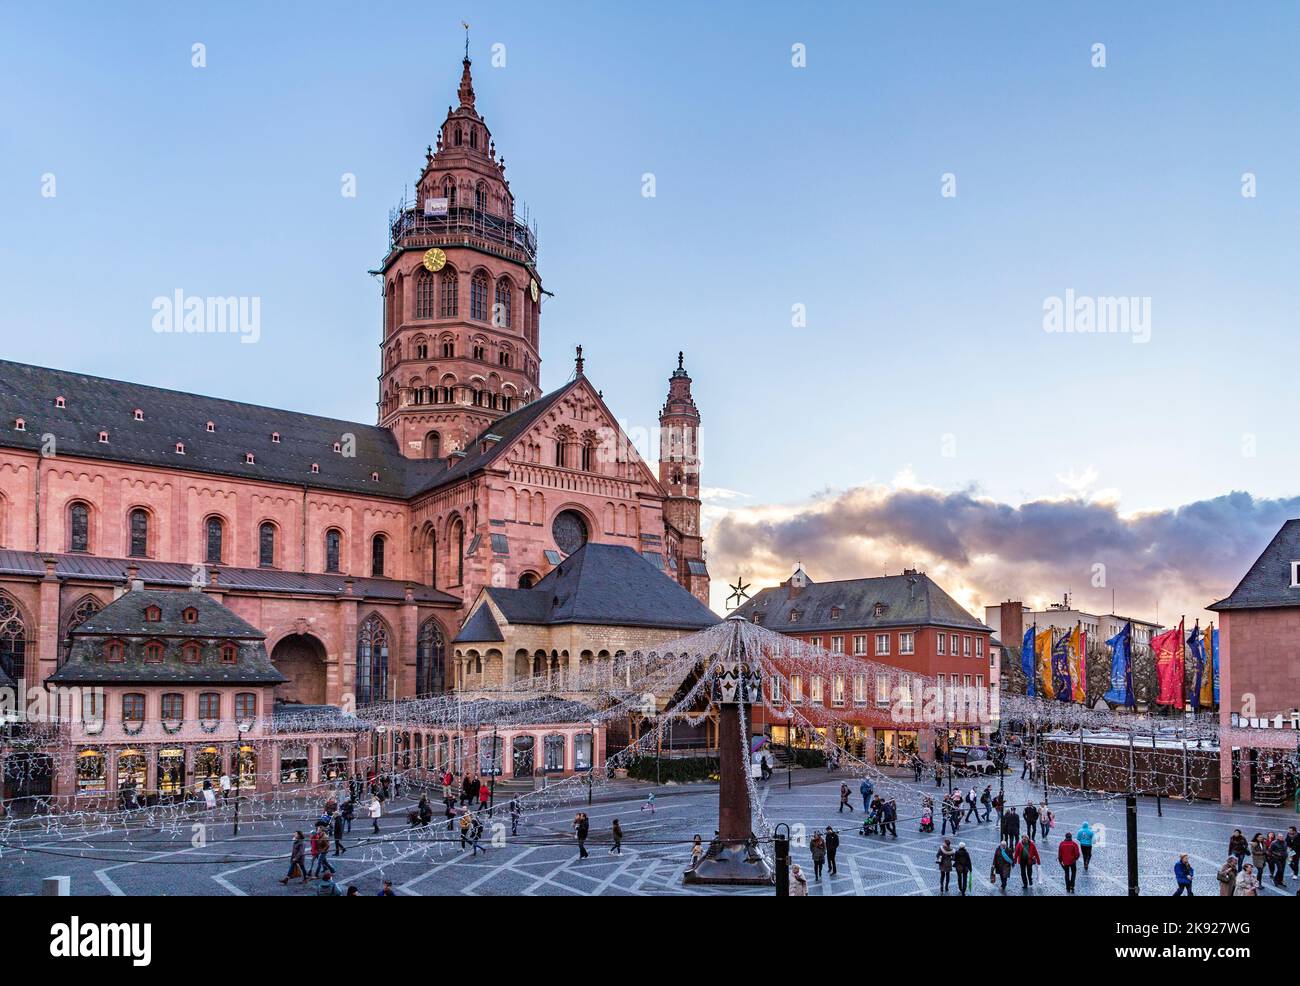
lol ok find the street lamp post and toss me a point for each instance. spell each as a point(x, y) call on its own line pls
point(241, 729)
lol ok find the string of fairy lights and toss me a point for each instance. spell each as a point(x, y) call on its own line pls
point(689, 671)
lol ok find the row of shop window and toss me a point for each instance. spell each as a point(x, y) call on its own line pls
point(171, 707)
point(172, 778)
point(448, 753)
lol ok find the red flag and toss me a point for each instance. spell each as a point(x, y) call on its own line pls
point(1167, 648)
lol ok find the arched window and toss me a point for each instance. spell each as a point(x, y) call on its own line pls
point(478, 297)
point(333, 541)
point(85, 608)
point(481, 197)
point(458, 546)
point(586, 455)
point(433, 445)
point(430, 660)
point(266, 545)
point(139, 524)
point(424, 294)
point(527, 580)
point(13, 640)
point(372, 661)
point(216, 531)
point(450, 294)
point(501, 310)
point(377, 555)
point(78, 527)
point(449, 191)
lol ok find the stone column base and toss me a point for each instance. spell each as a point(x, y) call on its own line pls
point(735, 864)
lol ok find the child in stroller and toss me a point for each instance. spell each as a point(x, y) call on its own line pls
point(927, 815)
point(871, 822)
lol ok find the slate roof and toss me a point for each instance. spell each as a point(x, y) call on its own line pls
point(481, 627)
point(604, 584)
point(113, 570)
point(124, 619)
point(96, 404)
point(907, 600)
point(1267, 583)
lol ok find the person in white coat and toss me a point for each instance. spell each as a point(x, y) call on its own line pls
point(798, 882)
point(225, 787)
point(376, 809)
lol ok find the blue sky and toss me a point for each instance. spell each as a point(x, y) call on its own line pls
point(776, 186)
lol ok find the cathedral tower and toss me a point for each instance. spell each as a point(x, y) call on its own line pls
point(461, 295)
point(679, 474)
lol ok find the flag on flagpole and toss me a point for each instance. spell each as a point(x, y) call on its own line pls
point(1077, 680)
point(1196, 647)
point(1121, 670)
point(1212, 645)
point(1167, 651)
point(1027, 661)
point(1061, 668)
point(1043, 656)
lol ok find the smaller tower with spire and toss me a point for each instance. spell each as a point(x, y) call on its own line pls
point(679, 474)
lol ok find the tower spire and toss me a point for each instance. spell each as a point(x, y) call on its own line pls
point(466, 91)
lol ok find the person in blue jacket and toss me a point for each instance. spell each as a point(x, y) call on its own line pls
point(866, 790)
point(1183, 874)
point(1085, 837)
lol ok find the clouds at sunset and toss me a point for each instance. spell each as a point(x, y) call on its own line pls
point(983, 551)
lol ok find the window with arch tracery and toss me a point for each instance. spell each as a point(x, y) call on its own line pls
point(372, 660)
point(83, 611)
point(216, 531)
point(478, 297)
point(501, 313)
point(458, 545)
point(481, 197)
point(13, 640)
point(430, 660)
point(78, 527)
point(139, 524)
point(424, 294)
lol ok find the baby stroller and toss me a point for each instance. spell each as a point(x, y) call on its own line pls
point(871, 824)
point(927, 821)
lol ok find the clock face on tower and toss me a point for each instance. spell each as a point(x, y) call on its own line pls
point(532, 288)
point(434, 260)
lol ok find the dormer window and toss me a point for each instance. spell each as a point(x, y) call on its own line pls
point(878, 610)
point(20, 424)
point(1295, 575)
point(152, 614)
point(191, 652)
point(191, 615)
point(229, 654)
point(180, 448)
point(315, 468)
point(374, 477)
point(60, 402)
point(275, 437)
point(103, 438)
point(795, 616)
point(248, 458)
point(114, 652)
point(835, 612)
point(138, 414)
point(153, 652)
point(338, 447)
point(211, 427)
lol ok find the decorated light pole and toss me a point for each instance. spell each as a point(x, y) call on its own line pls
point(733, 857)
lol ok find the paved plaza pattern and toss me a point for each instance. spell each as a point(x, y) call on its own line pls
point(542, 860)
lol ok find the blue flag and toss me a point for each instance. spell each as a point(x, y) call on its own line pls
point(1027, 662)
point(1061, 668)
point(1197, 650)
point(1213, 647)
point(1121, 671)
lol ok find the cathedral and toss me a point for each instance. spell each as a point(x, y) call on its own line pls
point(354, 551)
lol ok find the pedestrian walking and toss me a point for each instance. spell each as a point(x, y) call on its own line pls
point(581, 828)
point(349, 810)
point(1183, 873)
point(1085, 838)
point(962, 865)
point(798, 882)
point(515, 812)
point(376, 810)
point(320, 853)
point(944, 858)
point(832, 846)
point(866, 790)
point(1228, 877)
point(972, 803)
point(1045, 820)
point(1247, 882)
point(890, 821)
point(336, 823)
point(475, 834)
point(465, 825)
point(484, 798)
point(1031, 820)
point(297, 858)
point(986, 799)
point(649, 803)
point(1026, 857)
point(224, 784)
point(1238, 847)
point(616, 831)
point(1258, 853)
point(817, 848)
point(844, 798)
point(1002, 865)
point(1067, 854)
point(1010, 828)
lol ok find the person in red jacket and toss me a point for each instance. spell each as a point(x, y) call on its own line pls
point(1067, 854)
point(1027, 857)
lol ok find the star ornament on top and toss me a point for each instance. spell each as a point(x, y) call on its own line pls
point(738, 592)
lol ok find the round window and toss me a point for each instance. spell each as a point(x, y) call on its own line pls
point(569, 531)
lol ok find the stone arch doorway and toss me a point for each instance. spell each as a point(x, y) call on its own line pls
point(300, 657)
